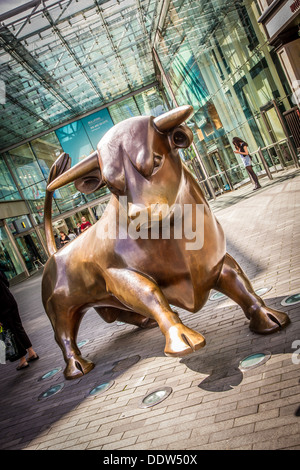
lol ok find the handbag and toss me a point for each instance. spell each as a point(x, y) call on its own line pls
point(11, 349)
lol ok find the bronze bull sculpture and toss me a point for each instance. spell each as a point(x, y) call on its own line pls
point(136, 279)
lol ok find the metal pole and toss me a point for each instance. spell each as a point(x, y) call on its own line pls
point(264, 164)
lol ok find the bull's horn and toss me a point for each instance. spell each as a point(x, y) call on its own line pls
point(79, 170)
point(173, 118)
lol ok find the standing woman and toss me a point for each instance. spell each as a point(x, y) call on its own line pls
point(241, 148)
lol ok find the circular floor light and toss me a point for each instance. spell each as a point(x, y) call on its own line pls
point(51, 391)
point(291, 300)
point(217, 296)
point(254, 360)
point(50, 374)
point(82, 343)
point(155, 397)
point(101, 388)
point(263, 290)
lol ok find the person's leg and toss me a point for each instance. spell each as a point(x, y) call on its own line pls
point(22, 340)
point(253, 175)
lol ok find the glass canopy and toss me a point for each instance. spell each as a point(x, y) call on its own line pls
point(61, 59)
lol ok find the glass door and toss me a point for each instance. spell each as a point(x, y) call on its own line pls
point(31, 250)
point(282, 152)
point(9, 262)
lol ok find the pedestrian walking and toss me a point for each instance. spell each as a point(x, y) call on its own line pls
point(241, 148)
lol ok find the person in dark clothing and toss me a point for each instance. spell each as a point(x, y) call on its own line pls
point(64, 239)
point(241, 148)
point(10, 319)
point(78, 229)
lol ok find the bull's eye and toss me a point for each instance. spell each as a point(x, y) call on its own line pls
point(157, 159)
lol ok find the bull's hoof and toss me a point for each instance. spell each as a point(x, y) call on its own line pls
point(181, 340)
point(266, 321)
point(77, 367)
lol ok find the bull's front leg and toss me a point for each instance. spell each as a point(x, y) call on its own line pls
point(143, 295)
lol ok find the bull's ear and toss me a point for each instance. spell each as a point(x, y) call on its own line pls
point(90, 182)
point(181, 137)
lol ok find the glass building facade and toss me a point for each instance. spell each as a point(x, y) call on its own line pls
point(212, 55)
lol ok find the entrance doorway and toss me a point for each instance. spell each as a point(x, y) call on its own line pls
point(31, 250)
point(10, 265)
point(283, 153)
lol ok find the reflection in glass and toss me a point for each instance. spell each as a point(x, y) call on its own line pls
point(99, 209)
point(31, 250)
point(124, 110)
point(24, 166)
point(68, 197)
point(8, 190)
point(9, 262)
point(150, 103)
point(47, 149)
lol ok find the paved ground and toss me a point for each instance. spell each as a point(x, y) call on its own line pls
point(213, 404)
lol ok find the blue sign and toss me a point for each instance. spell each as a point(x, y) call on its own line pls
point(80, 138)
point(74, 141)
point(96, 125)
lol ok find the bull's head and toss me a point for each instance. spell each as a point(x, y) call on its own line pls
point(137, 158)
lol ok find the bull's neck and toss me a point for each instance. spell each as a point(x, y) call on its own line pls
point(189, 191)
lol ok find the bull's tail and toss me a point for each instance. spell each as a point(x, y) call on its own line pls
point(61, 165)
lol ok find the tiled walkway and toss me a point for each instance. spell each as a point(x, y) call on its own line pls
point(213, 404)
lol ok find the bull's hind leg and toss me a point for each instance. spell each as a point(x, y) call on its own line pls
point(234, 283)
point(65, 325)
point(142, 294)
point(111, 314)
